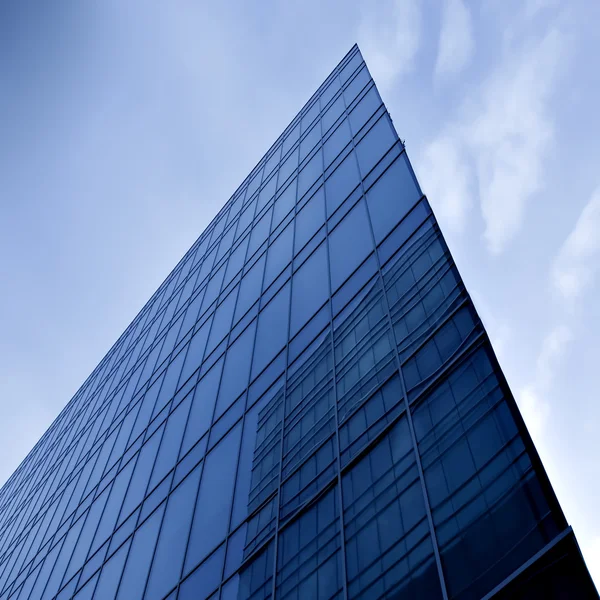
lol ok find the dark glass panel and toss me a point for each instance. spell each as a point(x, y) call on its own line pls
point(211, 518)
point(349, 244)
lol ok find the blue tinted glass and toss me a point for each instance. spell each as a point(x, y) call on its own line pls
point(272, 330)
point(349, 244)
point(362, 112)
point(374, 145)
point(336, 142)
point(310, 172)
point(140, 555)
point(237, 370)
point(350, 67)
point(169, 445)
point(290, 164)
point(141, 475)
point(213, 288)
point(310, 219)
point(221, 321)
point(341, 182)
point(111, 573)
point(204, 579)
point(290, 139)
point(211, 518)
point(330, 91)
point(310, 141)
point(250, 287)
point(246, 218)
point(195, 351)
point(279, 254)
point(203, 405)
point(254, 183)
point(333, 113)
point(225, 243)
point(260, 232)
point(266, 193)
point(272, 161)
point(236, 261)
point(356, 85)
point(172, 542)
point(391, 197)
point(284, 204)
point(310, 115)
point(310, 288)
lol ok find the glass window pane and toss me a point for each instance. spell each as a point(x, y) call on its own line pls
point(111, 573)
point(309, 174)
point(271, 334)
point(204, 579)
point(337, 142)
point(211, 518)
point(342, 181)
point(245, 218)
point(169, 445)
point(221, 321)
point(374, 145)
point(203, 405)
point(266, 193)
point(236, 261)
point(310, 115)
point(333, 113)
point(391, 197)
point(356, 85)
point(250, 287)
point(284, 204)
point(330, 91)
point(310, 288)
point(260, 232)
point(290, 164)
point(310, 219)
point(279, 254)
point(172, 542)
point(195, 351)
point(140, 555)
point(364, 110)
point(237, 370)
point(349, 244)
point(310, 140)
point(290, 140)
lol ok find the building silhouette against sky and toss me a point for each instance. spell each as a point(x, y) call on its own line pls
point(308, 407)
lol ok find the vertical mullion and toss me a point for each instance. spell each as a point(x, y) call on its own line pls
point(402, 382)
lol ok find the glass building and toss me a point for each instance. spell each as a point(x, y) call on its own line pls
point(308, 407)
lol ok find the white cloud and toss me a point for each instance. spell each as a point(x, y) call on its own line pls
point(456, 39)
point(500, 140)
point(448, 178)
point(389, 36)
point(577, 261)
point(532, 397)
point(511, 134)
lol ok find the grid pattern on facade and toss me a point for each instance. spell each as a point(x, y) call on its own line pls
point(307, 407)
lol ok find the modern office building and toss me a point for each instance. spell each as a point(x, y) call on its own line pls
point(308, 407)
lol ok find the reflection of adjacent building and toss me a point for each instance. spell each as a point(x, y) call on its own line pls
point(471, 510)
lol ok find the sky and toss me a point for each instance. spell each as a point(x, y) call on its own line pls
point(125, 126)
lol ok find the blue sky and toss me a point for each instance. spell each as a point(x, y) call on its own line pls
point(125, 126)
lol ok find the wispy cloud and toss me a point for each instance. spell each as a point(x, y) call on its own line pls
point(501, 138)
point(456, 43)
point(448, 180)
point(577, 262)
point(389, 36)
point(532, 397)
point(511, 135)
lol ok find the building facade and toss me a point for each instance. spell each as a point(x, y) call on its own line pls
point(308, 407)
